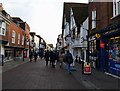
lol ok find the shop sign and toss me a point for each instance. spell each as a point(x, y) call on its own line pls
point(98, 35)
point(102, 44)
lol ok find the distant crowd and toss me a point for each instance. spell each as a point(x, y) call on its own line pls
point(52, 57)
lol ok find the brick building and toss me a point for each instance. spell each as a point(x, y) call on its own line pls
point(18, 45)
point(4, 29)
point(104, 36)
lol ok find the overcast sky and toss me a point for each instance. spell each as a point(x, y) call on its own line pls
point(43, 16)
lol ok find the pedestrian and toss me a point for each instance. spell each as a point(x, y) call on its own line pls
point(30, 55)
point(76, 58)
point(35, 56)
point(47, 57)
point(61, 58)
point(53, 58)
point(69, 61)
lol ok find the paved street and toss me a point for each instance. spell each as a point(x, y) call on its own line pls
point(35, 75)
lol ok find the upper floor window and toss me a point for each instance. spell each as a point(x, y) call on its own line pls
point(116, 7)
point(93, 19)
point(22, 40)
point(18, 38)
point(13, 37)
point(2, 28)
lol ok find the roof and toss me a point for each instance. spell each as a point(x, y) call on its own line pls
point(80, 11)
point(17, 19)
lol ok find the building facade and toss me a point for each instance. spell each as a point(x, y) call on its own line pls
point(4, 30)
point(17, 47)
point(74, 30)
point(104, 36)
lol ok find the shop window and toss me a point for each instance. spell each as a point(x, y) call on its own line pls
point(114, 49)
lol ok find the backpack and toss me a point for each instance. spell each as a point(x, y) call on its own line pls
point(69, 58)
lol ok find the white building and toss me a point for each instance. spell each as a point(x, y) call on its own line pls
point(59, 42)
point(75, 26)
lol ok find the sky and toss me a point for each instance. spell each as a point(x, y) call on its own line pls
point(43, 16)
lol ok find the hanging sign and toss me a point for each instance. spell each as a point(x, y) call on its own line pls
point(97, 35)
point(102, 44)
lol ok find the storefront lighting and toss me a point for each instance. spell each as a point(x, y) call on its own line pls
point(118, 37)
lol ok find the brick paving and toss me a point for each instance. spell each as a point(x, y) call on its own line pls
point(35, 75)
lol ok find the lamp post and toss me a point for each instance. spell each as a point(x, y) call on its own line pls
point(24, 46)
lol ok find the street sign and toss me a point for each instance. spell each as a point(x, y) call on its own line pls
point(97, 35)
point(87, 68)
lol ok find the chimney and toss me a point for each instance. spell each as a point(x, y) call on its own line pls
point(1, 7)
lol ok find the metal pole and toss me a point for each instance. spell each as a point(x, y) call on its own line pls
point(87, 56)
point(23, 55)
point(2, 61)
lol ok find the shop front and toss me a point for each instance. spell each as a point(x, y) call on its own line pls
point(114, 55)
point(110, 51)
point(94, 52)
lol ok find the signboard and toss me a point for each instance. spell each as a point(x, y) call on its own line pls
point(87, 68)
point(102, 44)
point(97, 35)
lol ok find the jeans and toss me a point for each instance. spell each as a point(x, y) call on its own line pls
point(68, 68)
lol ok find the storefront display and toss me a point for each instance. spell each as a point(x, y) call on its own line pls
point(114, 55)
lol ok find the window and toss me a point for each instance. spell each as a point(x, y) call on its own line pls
point(2, 28)
point(18, 38)
point(116, 7)
point(93, 19)
point(3, 31)
point(13, 37)
point(22, 40)
point(114, 48)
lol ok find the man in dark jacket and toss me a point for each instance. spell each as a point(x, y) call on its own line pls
point(35, 55)
point(47, 57)
point(30, 55)
point(69, 60)
point(53, 58)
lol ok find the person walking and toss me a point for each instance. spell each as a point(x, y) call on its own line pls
point(53, 58)
point(61, 58)
point(30, 55)
point(69, 61)
point(47, 57)
point(35, 56)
